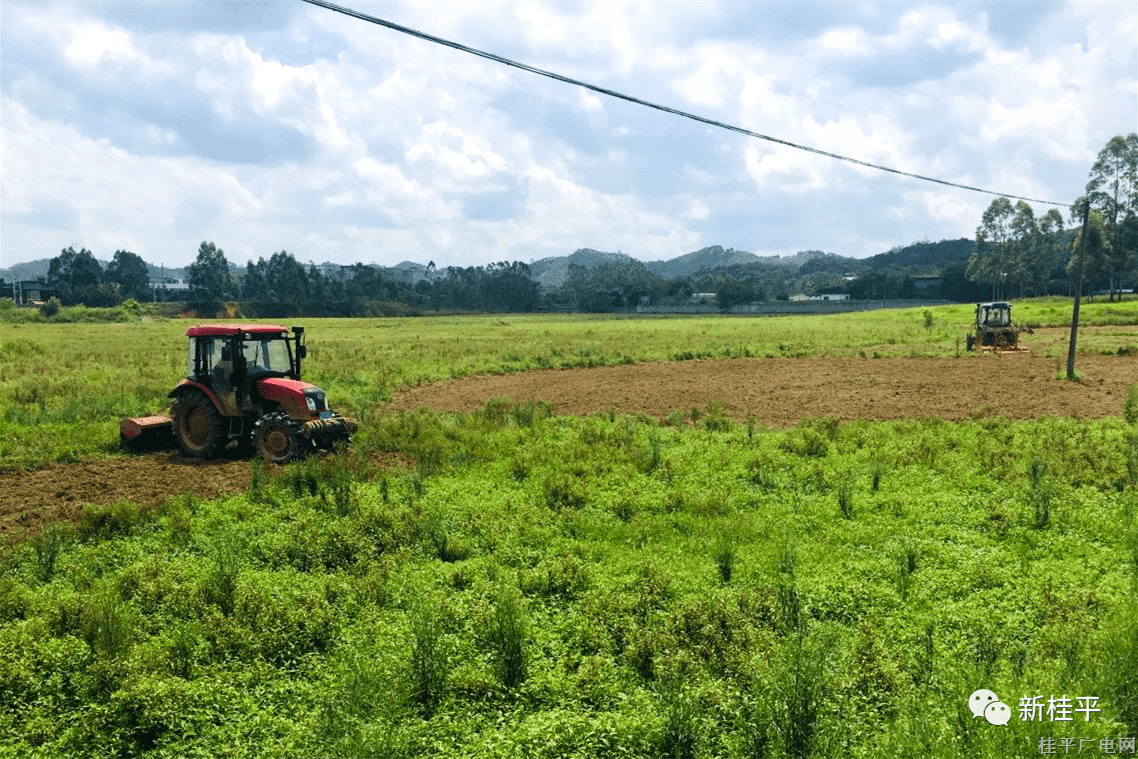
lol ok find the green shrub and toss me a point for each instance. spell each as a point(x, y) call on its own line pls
point(46, 548)
point(845, 497)
point(228, 557)
point(906, 561)
point(563, 492)
point(117, 519)
point(51, 307)
point(1040, 494)
point(438, 528)
point(716, 419)
point(876, 472)
point(282, 617)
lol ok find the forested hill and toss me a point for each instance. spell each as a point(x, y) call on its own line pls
point(705, 259)
point(923, 257)
point(552, 272)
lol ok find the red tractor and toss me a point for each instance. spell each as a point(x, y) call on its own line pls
point(243, 389)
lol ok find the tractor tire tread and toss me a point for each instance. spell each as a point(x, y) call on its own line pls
point(297, 447)
point(185, 405)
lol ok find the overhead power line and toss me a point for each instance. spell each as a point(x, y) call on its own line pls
point(649, 104)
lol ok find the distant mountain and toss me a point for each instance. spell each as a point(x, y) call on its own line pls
point(831, 263)
point(30, 270)
point(712, 257)
point(924, 257)
point(552, 272)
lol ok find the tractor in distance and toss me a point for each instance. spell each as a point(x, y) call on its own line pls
point(994, 329)
point(243, 390)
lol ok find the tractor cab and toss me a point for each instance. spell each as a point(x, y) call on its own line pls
point(993, 314)
point(231, 359)
point(257, 350)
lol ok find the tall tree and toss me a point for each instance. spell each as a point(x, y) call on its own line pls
point(130, 273)
point(1025, 240)
point(992, 259)
point(210, 281)
point(256, 285)
point(1088, 259)
point(320, 290)
point(1113, 193)
point(75, 275)
point(287, 279)
point(1046, 255)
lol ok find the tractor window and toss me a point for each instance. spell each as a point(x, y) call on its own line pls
point(267, 356)
point(202, 357)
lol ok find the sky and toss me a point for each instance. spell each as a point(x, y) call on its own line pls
point(269, 126)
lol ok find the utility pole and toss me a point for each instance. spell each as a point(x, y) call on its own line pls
point(1081, 253)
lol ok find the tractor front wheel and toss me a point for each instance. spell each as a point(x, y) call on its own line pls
point(278, 439)
point(197, 425)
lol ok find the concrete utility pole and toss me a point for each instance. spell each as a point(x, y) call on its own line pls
point(1081, 253)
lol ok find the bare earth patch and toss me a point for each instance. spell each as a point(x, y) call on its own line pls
point(782, 391)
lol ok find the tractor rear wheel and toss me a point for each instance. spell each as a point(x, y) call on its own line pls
point(278, 439)
point(197, 425)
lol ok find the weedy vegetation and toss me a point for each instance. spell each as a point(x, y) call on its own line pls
point(531, 585)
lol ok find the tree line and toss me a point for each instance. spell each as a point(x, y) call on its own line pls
point(1018, 253)
point(1015, 253)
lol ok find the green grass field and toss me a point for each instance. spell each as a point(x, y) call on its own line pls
point(64, 387)
point(540, 586)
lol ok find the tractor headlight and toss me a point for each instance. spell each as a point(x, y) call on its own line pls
point(311, 402)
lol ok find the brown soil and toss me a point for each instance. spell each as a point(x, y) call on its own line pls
point(58, 492)
point(54, 492)
point(782, 391)
point(779, 392)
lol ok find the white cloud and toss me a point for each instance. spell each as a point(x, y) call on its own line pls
point(357, 143)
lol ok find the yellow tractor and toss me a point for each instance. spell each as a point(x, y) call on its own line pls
point(243, 390)
point(994, 329)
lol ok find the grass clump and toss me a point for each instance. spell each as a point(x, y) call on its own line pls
point(725, 554)
point(430, 658)
point(507, 636)
point(1130, 405)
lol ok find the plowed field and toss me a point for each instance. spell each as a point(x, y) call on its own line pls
point(782, 391)
point(779, 392)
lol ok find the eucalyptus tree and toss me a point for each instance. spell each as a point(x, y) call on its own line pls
point(1113, 193)
point(1023, 244)
point(210, 281)
point(130, 273)
point(1047, 249)
point(994, 255)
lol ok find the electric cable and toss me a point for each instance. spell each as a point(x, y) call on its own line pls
point(629, 98)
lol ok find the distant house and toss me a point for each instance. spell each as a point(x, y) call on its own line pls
point(29, 292)
point(825, 296)
point(703, 298)
point(170, 286)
